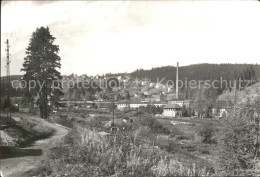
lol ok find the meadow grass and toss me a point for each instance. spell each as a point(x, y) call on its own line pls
point(29, 128)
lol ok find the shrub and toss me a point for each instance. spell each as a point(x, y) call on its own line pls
point(172, 167)
point(153, 124)
point(207, 131)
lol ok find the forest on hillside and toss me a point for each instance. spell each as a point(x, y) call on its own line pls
point(201, 72)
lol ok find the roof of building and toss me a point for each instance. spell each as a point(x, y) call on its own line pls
point(220, 104)
point(175, 99)
point(172, 106)
point(170, 96)
point(139, 102)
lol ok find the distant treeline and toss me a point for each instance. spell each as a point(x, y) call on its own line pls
point(13, 77)
point(201, 72)
point(13, 91)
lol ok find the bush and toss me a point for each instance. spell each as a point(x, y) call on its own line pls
point(207, 132)
point(13, 108)
point(182, 137)
point(153, 124)
point(173, 167)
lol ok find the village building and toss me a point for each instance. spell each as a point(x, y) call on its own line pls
point(219, 109)
point(136, 104)
point(180, 102)
point(172, 110)
point(175, 105)
point(170, 96)
point(122, 106)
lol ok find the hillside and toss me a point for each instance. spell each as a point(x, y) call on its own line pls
point(247, 96)
point(197, 72)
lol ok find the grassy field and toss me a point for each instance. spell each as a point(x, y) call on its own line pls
point(193, 121)
point(186, 137)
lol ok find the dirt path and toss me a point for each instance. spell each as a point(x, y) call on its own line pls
point(16, 167)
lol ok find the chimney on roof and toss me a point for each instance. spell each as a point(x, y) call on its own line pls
point(177, 81)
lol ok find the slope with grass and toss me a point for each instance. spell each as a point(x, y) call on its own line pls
point(18, 161)
point(21, 130)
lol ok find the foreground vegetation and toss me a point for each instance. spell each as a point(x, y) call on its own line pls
point(86, 153)
point(136, 149)
point(26, 128)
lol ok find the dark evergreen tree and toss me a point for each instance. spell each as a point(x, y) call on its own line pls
point(40, 65)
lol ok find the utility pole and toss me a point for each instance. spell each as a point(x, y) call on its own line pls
point(0, 97)
point(46, 93)
point(8, 113)
point(46, 97)
point(177, 81)
point(113, 123)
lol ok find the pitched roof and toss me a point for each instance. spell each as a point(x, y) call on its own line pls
point(220, 104)
point(177, 99)
point(172, 106)
point(170, 96)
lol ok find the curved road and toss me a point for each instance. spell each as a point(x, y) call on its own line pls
point(18, 166)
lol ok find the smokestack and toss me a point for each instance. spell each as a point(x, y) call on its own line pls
point(177, 81)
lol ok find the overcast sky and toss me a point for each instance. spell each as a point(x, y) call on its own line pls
point(114, 36)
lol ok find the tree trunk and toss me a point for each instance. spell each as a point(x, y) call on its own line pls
point(41, 110)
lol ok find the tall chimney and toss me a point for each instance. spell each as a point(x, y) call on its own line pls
point(177, 81)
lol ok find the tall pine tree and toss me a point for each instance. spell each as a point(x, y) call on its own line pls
point(41, 65)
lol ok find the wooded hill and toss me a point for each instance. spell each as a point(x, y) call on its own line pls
point(200, 72)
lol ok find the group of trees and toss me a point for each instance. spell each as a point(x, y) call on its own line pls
point(80, 92)
point(208, 132)
point(236, 135)
point(118, 96)
point(238, 138)
point(202, 100)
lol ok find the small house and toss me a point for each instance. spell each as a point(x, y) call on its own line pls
point(180, 102)
point(219, 109)
point(172, 110)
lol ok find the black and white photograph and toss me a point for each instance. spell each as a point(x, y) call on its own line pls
point(134, 88)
